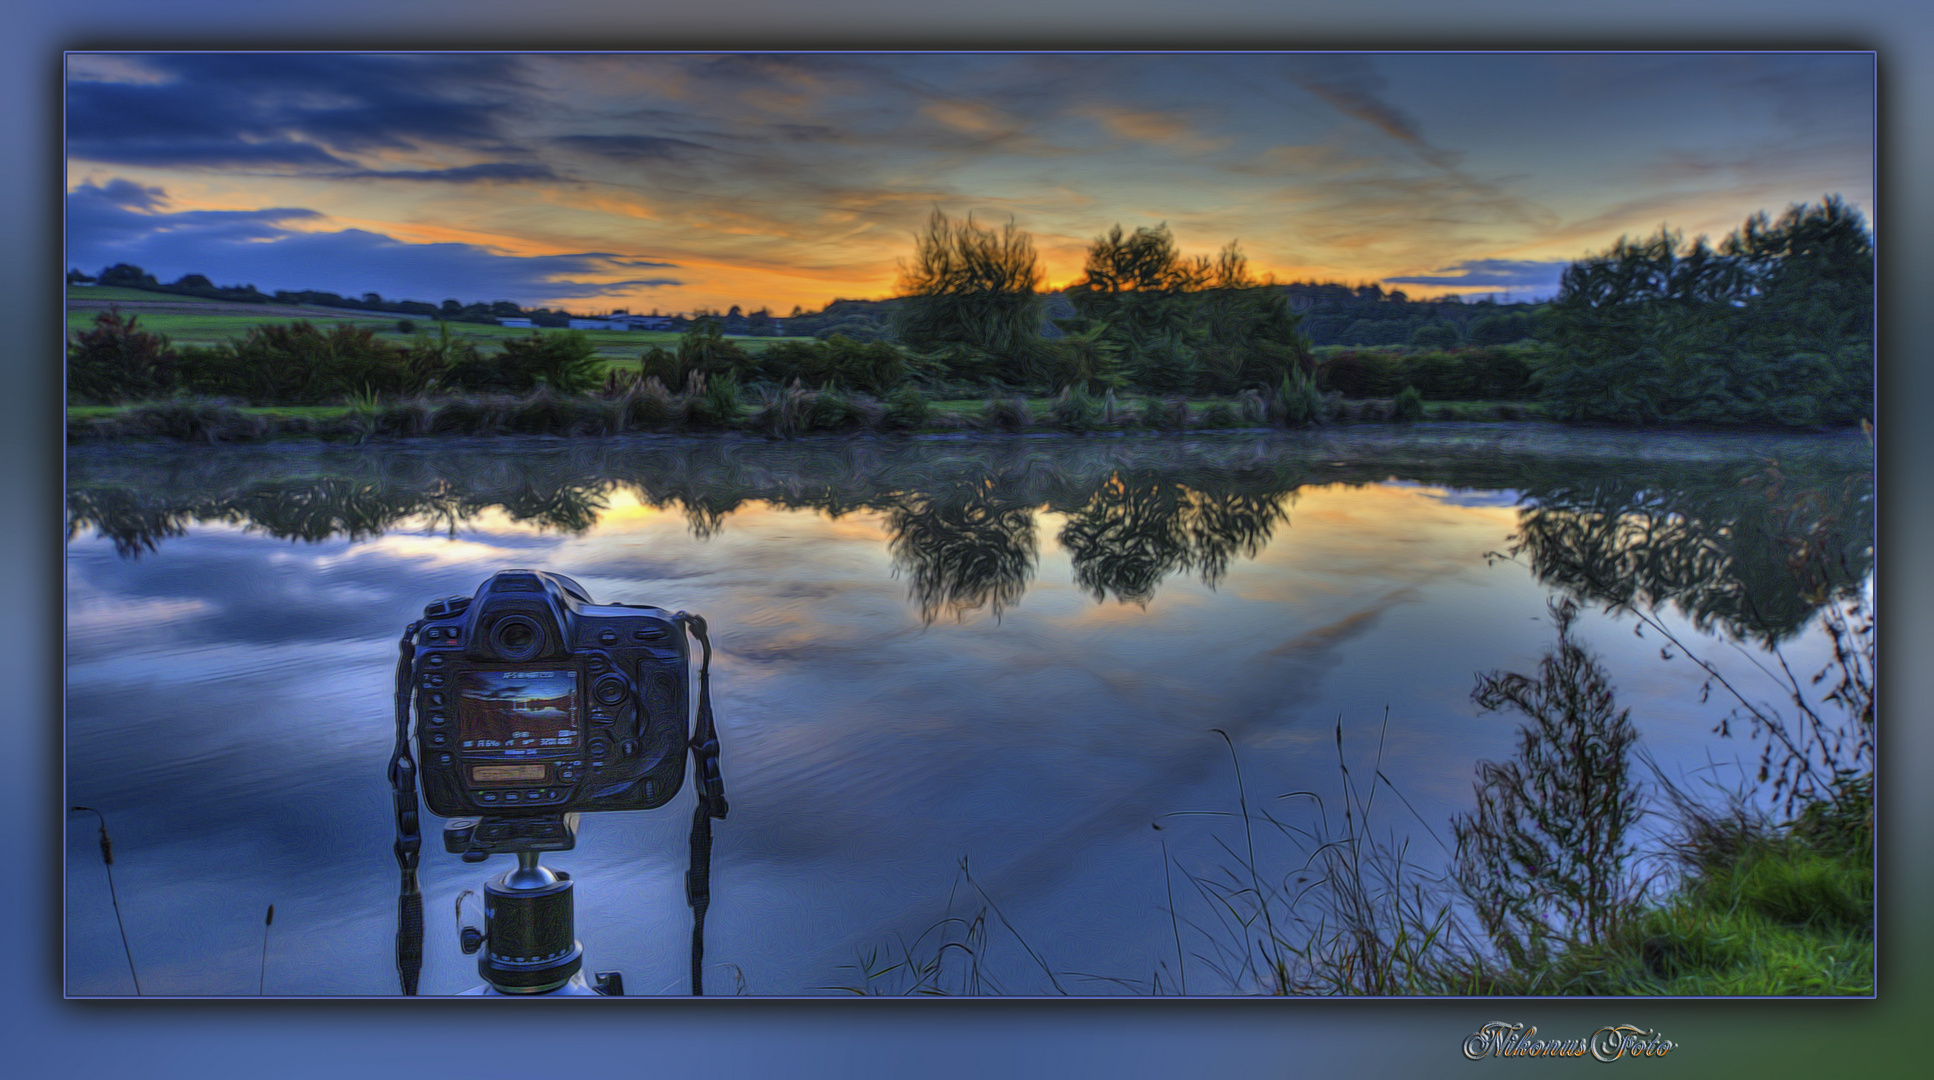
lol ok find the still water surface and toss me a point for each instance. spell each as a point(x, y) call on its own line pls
point(1006, 653)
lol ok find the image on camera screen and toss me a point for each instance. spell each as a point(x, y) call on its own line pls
point(517, 713)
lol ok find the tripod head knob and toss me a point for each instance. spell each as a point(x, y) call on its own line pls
point(470, 939)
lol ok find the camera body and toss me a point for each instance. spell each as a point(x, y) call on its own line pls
point(534, 701)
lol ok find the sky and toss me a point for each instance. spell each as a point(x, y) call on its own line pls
point(679, 182)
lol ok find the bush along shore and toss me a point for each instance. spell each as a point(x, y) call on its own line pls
point(295, 380)
point(718, 406)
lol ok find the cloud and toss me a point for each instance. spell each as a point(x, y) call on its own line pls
point(287, 112)
point(487, 172)
point(1163, 127)
point(1352, 86)
point(1493, 273)
point(630, 147)
point(120, 221)
point(126, 193)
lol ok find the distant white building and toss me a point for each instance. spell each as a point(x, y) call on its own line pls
point(520, 324)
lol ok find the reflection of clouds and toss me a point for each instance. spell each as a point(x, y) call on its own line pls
point(864, 752)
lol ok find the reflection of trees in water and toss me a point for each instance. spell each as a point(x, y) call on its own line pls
point(1544, 855)
point(315, 509)
point(1722, 539)
point(134, 523)
point(1137, 529)
point(1728, 546)
point(964, 547)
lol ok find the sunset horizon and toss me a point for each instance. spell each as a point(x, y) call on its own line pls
point(681, 182)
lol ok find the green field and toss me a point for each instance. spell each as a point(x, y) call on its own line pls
point(615, 347)
point(119, 292)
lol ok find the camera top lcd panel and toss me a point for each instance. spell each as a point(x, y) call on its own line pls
point(531, 699)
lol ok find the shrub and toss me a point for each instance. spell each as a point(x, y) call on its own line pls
point(907, 408)
point(117, 361)
point(1296, 402)
point(835, 410)
point(838, 361)
point(1409, 405)
point(779, 414)
point(1165, 414)
point(1074, 408)
point(708, 402)
point(1113, 412)
point(1220, 414)
point(1359, 373)
point(648, 405)
point(1251, 407)
point(563, 360)
point(297, 364)
point(1008, 413)
point(547, 412)
point(198, 421)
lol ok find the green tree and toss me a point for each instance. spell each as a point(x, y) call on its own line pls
point(1775, 325)
point(973, 293)
point(1134, 287)
point(1250, 336)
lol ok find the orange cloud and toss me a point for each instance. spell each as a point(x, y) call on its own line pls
point(1152, 126)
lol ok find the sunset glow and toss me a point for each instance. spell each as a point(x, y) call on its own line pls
point(675, 182)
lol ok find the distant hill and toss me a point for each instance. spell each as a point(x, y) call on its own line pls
point(1333, 313)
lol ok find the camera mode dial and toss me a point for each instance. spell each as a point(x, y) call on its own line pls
point(446, 607)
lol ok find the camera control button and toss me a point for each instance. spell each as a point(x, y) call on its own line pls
point(438, 738)
point(610, 690)
point(434, 660)
point(510, 796)
point(609, 637)
point(487, 796)
point(444, 759)
point(435, 700)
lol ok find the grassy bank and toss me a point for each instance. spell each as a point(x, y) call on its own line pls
point(1764, 914)
point(775, 414)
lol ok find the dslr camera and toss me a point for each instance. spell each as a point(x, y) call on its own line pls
point(532, 702)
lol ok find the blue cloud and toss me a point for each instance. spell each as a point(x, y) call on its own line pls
point(630, 147)
point(291, 112)
point(488, 172)
point(122, 222)
point(1493, 273)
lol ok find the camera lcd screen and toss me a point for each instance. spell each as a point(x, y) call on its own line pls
point(514, 714)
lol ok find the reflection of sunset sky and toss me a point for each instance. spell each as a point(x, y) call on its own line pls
point(674, 182)
point(866, 752)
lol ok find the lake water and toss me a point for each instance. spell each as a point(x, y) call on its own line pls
point(1008, 654)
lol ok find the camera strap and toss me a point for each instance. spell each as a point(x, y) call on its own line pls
point(409, 837)
point(710, 787)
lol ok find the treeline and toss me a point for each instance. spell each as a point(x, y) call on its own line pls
point(1143, 317)
point(1775, 325)
point(130, 276)
point(1337, 314)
